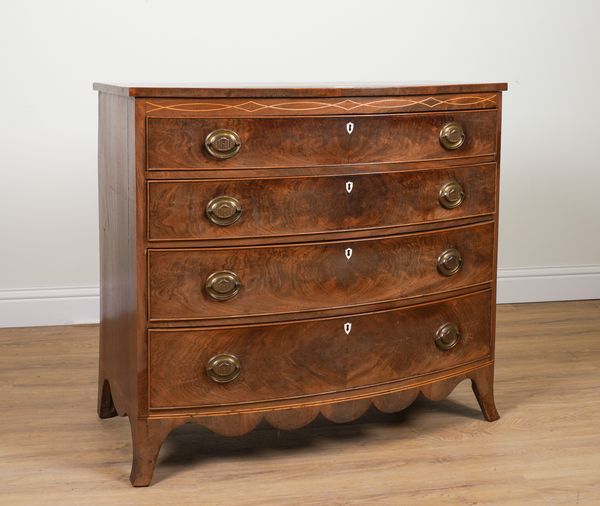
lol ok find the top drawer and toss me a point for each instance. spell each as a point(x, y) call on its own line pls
point(277, 142)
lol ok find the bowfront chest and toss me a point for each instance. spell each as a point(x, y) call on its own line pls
point(276, 253)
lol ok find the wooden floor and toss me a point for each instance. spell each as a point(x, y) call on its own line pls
point(544, 450)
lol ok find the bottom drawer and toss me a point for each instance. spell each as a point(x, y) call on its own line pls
point(235, 365)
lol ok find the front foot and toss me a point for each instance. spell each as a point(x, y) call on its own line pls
point(147, 437)
point(482, 382)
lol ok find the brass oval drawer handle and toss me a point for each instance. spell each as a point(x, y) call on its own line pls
point(452, 135)
point(451, 195)
point(224, 210)
point(223, 285)
point(223, 143)
point(449, 262)
point(223, 368)
point(447, 336)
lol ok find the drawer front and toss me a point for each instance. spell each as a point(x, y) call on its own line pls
point(267, 280)
point(188, 210)
point(276, 142)
point(278, 361)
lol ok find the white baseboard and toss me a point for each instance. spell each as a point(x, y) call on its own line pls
point(31, 307)
point(542, 284)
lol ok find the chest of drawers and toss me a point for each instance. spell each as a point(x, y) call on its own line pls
point(276, 253)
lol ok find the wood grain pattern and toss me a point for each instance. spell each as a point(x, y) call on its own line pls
point(274, 142)
point(354, 105)
point(544, 449)
point(316, 205)
point(290, 279)
point(303, 359)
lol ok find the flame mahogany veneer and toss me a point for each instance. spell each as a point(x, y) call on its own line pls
point(343, 256)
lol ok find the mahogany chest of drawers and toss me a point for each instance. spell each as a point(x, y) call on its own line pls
point(276, 253)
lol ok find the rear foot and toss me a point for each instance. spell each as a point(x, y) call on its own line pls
point(482, 381)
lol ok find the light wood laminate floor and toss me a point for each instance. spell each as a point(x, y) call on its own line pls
point(544, 450)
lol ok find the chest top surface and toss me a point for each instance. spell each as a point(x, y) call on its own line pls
point(261, 90)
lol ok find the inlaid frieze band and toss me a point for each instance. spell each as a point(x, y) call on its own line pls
point(310, 106)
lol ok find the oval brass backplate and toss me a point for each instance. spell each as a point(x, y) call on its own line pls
point(449, 262)
point(223, 368)
point(447, 336)
point(224, 210)
point(451, 195)
point(452, 135)
point(223, 143)
point(222, 285)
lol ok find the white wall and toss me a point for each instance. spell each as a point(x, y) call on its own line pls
point(52, 51)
